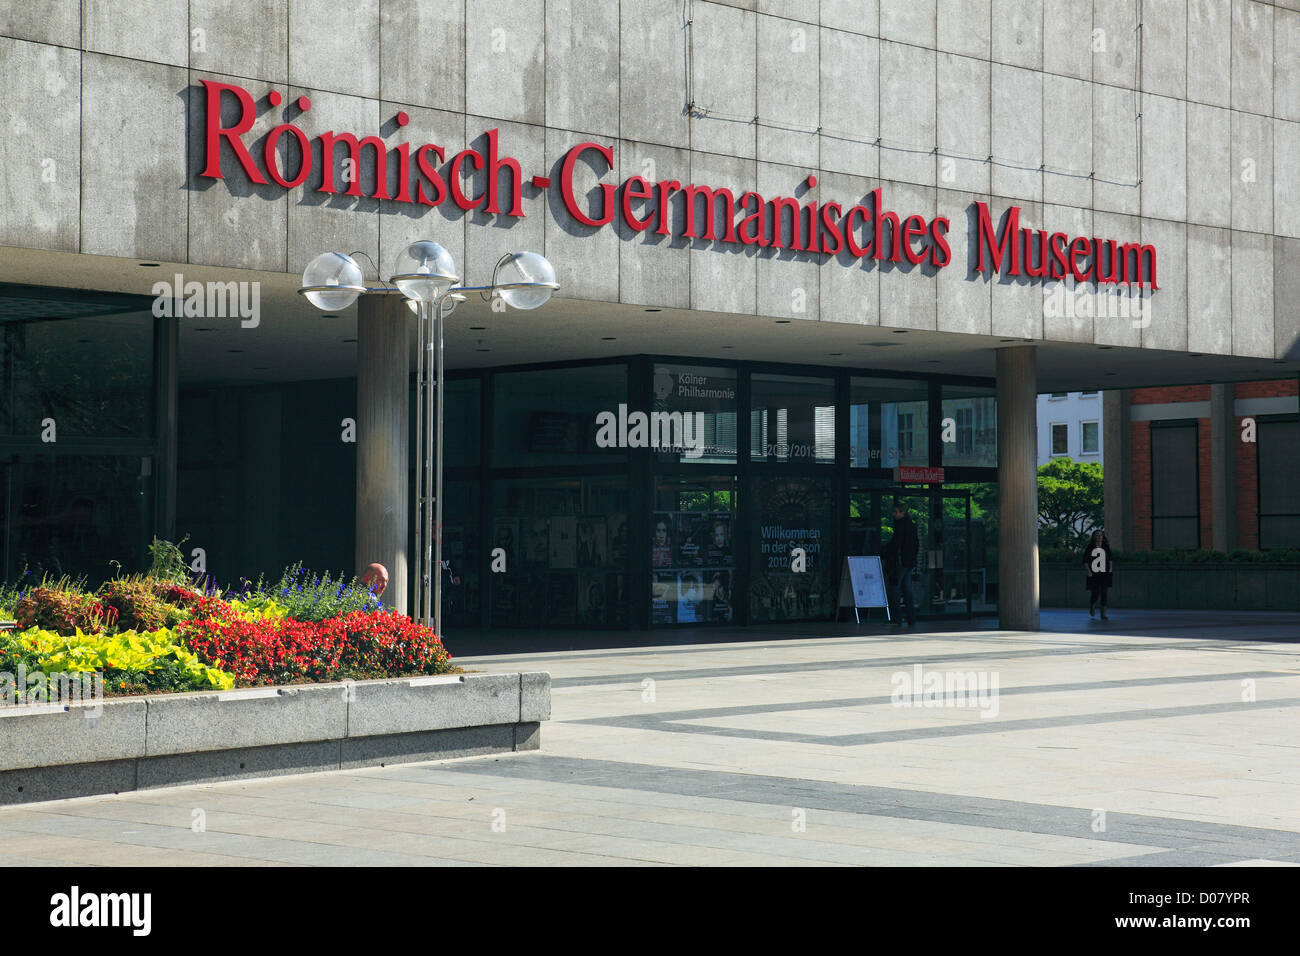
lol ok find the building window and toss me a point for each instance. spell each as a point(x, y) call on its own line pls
point(1060, 438)
point(1089, 394)
point(1057, 396)
point(1089, 438)
point(1175, 508)
point(1278, 449)
point(965, 431)
point(905, 434)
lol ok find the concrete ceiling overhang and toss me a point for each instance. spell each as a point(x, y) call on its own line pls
point(293, 341)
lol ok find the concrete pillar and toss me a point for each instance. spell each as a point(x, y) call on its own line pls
point(1223, 467)
point(1117, 480)
point(383, 439)
point(1018, 488)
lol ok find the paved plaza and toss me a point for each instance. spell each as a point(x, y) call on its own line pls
point(1156, 738)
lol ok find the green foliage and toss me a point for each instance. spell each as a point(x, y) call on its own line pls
point(307, 596)
point(169, 562)
point(1069, 502)
point(130, 661)
point(63, 606)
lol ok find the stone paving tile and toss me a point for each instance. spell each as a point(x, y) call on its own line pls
point(1142, 719)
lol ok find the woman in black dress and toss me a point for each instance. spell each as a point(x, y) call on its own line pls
point(1097, 563)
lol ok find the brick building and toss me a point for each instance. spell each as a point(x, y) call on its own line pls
point(1204, 466)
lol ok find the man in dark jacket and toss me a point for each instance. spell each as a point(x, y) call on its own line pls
point(900, 556)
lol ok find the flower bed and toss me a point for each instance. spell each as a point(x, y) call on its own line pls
point(149, 633)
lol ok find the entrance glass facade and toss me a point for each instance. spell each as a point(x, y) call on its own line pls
point(623, 494)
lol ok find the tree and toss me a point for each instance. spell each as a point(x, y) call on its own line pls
point(1069, 502)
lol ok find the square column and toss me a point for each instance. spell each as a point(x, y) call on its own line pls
point(383, 440)
point(1018, 488)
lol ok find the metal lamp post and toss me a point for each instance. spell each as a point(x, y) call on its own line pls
point(425, 274)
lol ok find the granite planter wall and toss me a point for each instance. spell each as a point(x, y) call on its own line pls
point(1222, 586)
point(52, 751)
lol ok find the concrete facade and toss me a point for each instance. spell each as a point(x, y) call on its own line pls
point(1179, 131)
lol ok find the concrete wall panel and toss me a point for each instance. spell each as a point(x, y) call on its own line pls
point(505, 70)
point(157, 31)
point(1117, 330)
point(908, 21)
point(1209, 49)
point(726, 100)
point(963, 28)
point(1115, 42)
point(423, 48)
point(1167, 318)
point(1017, 133)
point(133, 202)
point(724, 275)
point(247, 38)
point(335, 46)
point(908, 294)
point(1252, 172)
point(1209, 165)
point(589, 253)
point(1114, 149)
point(1164, 157)
point(1286, 178)
point(1018, 39)
point(233, 221)
point(850, 65)
point(849, 288)
point(1017, 301)
point(907, 113)
point(1209, 290)
point(40, 152)
point(53, 21)
point(854, 16)
point(1252, 56)
point(1067, 141)
point(506, 234)
point(1286, 85)
point(1252, 294)
point(321, 222)
point(401, 224)
point(964, 296)
point(582, 49)
point(789, 81)
point(1286, 293)
point(1164, 47)
point(963, 123)
point(654, 270)
point(652, 91)
point(1063, 317)
point(1067, 38)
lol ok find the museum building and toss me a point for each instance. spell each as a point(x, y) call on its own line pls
point(814, 258)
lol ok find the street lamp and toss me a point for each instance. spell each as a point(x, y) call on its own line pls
point(425, 273)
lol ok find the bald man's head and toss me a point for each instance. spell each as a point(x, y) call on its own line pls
point(375, 577)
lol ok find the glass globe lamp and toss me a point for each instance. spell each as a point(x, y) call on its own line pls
point(423, 271)
point(525, 281)
point(332, 281)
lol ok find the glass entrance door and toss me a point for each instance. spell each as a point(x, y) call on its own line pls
point(944, 585)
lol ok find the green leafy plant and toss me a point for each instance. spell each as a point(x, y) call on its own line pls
point(307, 596)
point(64, 607)
point(168, 562)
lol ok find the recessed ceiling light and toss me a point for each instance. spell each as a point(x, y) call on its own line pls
point(332, 316)
point(349, 340)
point(608, 338)
point(1105, 347)
point(900, 331)
point(478, 328)
point(1006, 340)
point(782, 321)
point(82, 341)
point(932, 362)
point(1108, 373)
point(482, 350)
point(205, 329)
point(148, 265)
point(654, 310)
point(834, 354)
point(234, 350)
point(1195, 355)
point(728, 346)
point(262, 368)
